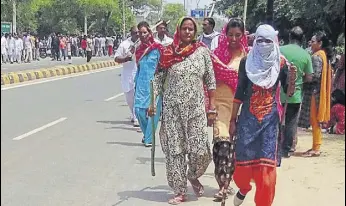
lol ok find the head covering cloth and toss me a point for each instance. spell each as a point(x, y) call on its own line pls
point(263, 61)
point(174, 53)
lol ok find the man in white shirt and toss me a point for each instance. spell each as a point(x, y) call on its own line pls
point(18, 43)
point(210, 37)
point(124, 55)
point(161, 36)
point(11, 48)
point(4, 48)
point(28, 48)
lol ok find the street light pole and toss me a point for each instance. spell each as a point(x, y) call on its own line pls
point(270, 12)
point(14, 17)
point(245, 12)
point(124, 20)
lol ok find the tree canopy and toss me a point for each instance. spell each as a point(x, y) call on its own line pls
point(311, 15)
point(67, 16)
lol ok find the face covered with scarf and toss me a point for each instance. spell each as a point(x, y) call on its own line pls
point(263, 61)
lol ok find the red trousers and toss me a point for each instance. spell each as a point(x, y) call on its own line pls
point(110, 50)
point(265, 180)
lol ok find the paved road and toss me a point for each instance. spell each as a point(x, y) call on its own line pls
point(47, 63)
point(62, 144)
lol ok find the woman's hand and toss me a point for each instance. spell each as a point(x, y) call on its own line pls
point(232, 128)
point(212, 114)
point(151, 111)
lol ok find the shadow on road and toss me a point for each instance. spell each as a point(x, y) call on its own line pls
point(116, 122)
point(145, 160)
point(127, 144)
point(159, 194)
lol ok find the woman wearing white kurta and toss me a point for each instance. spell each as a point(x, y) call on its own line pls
point(124, 56)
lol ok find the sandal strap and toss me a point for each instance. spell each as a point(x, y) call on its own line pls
point(177, 200)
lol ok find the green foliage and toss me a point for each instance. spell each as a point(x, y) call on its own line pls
point(67, 16)
point(173, 12)
point(311, 15)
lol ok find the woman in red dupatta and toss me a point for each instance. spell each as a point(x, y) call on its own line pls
point(147, 58)
point(232, 48)
point(186, 66)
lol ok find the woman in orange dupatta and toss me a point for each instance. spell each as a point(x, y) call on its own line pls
point(321, 86)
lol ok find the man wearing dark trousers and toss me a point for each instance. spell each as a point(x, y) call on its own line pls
point(296, 55)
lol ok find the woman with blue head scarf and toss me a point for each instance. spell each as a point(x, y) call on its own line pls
point(257, 128)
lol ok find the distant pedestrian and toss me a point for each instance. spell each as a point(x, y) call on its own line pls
point(89, 48)
point(124, 55)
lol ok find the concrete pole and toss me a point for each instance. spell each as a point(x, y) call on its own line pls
point(245, 12)
point(124, 20)
point(85, 23)
point(14, 16)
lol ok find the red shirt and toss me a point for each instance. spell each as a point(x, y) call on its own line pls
point(83, 44)
point(337, 115)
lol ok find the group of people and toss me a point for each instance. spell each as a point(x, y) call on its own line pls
point(17, 48)
point(62, 46)
point(218, 80)
point(28, 47)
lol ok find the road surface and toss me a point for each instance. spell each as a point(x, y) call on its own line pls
point(68, 142)
point(47, 63)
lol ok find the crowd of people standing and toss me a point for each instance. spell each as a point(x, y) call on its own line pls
point(30, 47)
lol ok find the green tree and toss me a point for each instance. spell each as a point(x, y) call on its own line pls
point(173, 12)
point(311, 15)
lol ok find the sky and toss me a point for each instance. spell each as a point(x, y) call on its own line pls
point(192, 3)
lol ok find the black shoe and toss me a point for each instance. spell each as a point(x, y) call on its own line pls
point(143, 140)
point(238, 199)
point(286, 155)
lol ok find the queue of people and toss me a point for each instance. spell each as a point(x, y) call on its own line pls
point(237, 85)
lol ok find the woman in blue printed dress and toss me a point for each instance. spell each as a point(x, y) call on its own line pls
point(257, 129)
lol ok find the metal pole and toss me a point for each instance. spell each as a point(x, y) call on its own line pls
point(85, 23)
point(14, 16)
point(270, 12)
point(124, 20)
point(212, 9)
point(198, 1)
point(245, 12)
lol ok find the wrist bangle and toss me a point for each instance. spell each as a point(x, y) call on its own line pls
point(212, 111)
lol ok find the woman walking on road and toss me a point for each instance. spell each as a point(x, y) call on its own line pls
point(232, 48)
point(147, 58)
point(186, 67)
point(258, 91)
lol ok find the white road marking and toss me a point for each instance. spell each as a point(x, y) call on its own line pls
point(52, 79)
point(40, 128)
point(114, 97)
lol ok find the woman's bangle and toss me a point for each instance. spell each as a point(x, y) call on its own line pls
point(212, 111)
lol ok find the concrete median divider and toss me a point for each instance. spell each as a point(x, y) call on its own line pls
point(29, 75)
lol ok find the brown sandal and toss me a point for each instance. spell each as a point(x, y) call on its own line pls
point(197, 187)
point(177, 200)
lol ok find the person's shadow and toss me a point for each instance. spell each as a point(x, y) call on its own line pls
point(151, 194)
point(159, 194)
